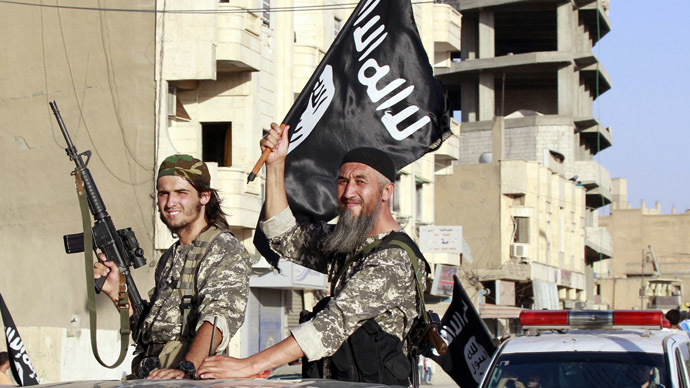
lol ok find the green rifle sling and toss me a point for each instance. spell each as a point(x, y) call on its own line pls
point(122, 306)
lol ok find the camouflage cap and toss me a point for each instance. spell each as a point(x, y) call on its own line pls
point(188, 167)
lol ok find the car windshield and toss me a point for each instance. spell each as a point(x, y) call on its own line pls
point(577, 370)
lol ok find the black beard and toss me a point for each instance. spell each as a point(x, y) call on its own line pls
point(350, 231)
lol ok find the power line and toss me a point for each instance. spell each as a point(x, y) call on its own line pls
point(305, 8)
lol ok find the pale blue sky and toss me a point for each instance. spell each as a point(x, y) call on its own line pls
point(647, 55)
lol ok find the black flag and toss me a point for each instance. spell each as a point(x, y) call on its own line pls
point(470, 345)
point(22, 370)
point(374, 87)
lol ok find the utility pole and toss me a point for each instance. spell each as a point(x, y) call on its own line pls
point(643, 291)
point(654, 262)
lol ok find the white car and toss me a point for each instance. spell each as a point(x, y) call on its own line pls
point(588, 349)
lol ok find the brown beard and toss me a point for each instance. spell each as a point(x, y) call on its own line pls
point(350, 231)
point(173, 230)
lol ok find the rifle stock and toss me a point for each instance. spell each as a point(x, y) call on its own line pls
point(435, 339)
point(119, 246)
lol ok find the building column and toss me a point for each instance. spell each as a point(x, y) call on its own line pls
point(468, 102)
point(567, 85)
point(565, 27)
point(567, 77)
point(468, 38)
point(589, 285)
point(487, 35)
point(487, 49)
point(487, 98)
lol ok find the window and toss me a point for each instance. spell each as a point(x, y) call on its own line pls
point(266, 15)
point(521, 230)
point(579, 369)
point(419, 190)
point(216, 143)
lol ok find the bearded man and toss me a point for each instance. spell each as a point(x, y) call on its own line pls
point(200, 293)
point(359, 332)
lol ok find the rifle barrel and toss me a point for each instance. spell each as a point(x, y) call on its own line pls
point(71, 149)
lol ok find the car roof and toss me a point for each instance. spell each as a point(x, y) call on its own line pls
point(646, 341)
point(246, 382)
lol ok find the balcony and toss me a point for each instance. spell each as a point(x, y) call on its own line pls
point(595, 18)
point(241, 201)
point(664, 302)
point(598, 243)
point(239, 40)
point(593, 74)
point(542, 61)
point(596, 180)
point(446, 28)
point(477, 5)
point(448, 152)
point(596, 136)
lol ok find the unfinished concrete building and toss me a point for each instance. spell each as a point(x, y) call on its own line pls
point(532, 63)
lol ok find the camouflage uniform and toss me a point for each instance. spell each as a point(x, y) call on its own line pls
point(222, 284)
point(379, 285)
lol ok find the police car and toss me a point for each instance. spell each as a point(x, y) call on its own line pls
point(585, 349)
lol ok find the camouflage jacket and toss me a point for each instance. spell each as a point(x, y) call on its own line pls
point(222, 283)
point(379, 285)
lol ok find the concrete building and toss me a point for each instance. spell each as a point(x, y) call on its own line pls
point(525, 226)
point(532, 63)
point(649, 268)
point(137, 81)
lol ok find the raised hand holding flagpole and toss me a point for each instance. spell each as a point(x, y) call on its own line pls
point(262, 159)
point(374, 88)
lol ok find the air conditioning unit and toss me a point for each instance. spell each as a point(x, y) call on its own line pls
point(519, 251)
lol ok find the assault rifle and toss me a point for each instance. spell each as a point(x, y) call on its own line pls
point(120, 246)
point(424, 335)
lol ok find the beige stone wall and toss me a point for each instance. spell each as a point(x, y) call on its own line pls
point(99, 68)
point(634, 230)
point(621, 293)
point(555, 206)
point(470, 197)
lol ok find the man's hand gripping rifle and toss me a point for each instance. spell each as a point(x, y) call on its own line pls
point(120, 246)
point(424, 335)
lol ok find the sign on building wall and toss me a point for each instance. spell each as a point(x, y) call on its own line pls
point(440, 239)
point(443, 280)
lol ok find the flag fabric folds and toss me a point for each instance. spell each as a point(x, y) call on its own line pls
point(470, 346)
point(22, 370)
point(374, 87)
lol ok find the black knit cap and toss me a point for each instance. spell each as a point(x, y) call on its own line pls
point(374, 158)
